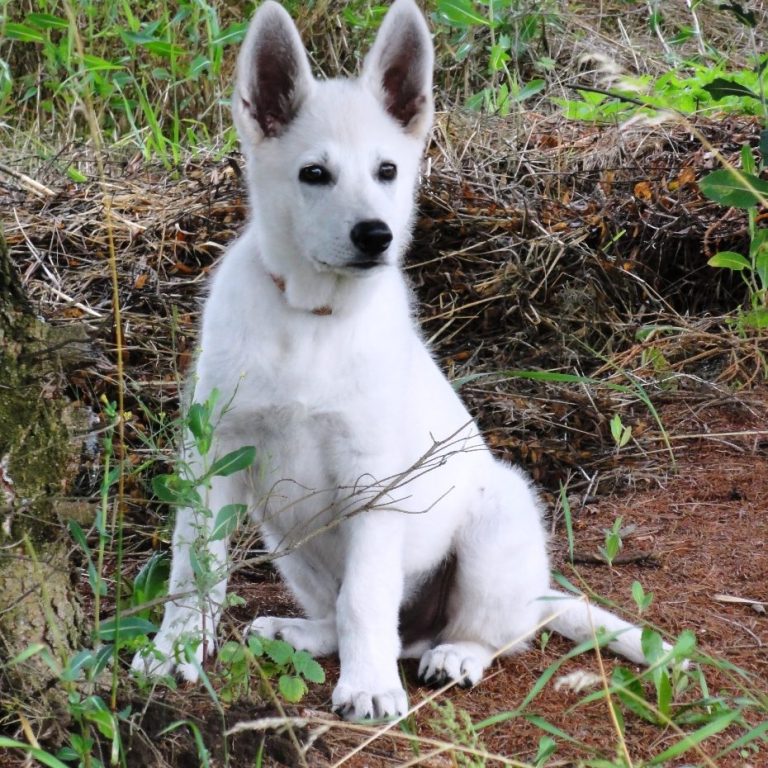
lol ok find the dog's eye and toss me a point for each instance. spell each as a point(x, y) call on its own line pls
point(315, 174)
point(387, 172)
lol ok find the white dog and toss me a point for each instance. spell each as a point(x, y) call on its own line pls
point(397, 531)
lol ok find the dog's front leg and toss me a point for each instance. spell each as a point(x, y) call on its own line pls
point(367, 620)
point(197, 585)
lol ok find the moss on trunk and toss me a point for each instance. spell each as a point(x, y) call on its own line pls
point(38, 457)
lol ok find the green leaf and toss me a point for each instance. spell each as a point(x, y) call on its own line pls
point(28, 653)
point(46, 21)
point(547, 747)
point(279, 651)
point(630, 691)
point(96, 64)
point(98, 714)
point(747, 159)
point(308, 668)
point(531, 88)
point(729, 260)
point(461, 13)
point(292, 687)
point(152, 579)
point(652, 645)
point(227, 520)
point(752, 735)
point(38, 754)
point(756, 318)
point(642, 600)
point(233, 462)
point(75, 175)
point(129, 627)
point(23, 33)
point(758, 250)
point(163, 49)
point(685, 645)
point(198, 420)
point(173, 489)
point(692, 739)
point(663, 693)
point(255, 645)
point(616, 428)
point(97, 584)
point(231, 652)
point(734, 189)
point(548, 727)
point(719, 88)
point(566, 507)
point(234, 33)
point(81, 661)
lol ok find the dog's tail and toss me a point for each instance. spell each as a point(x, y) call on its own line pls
point(579, 620)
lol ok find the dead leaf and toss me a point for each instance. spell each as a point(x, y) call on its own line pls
point(643, 191)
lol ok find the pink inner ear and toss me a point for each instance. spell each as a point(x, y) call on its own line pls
point(275, 70)
point(404, 100)
point(404, 81)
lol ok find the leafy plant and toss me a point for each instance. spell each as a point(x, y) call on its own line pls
point(613, 542)
point(745, 189)
point(621, 434)
point(456, 727)
point(642, 598)
point(503, 32)
point(271, 659)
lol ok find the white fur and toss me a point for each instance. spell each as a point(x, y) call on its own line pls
point(356, 428)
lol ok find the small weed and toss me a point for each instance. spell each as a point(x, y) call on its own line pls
point(456, 727)
point(271, 659)
point(745, 189)
point(621, 434)
point(642, 598)
point(613, 542)
point(502, 33)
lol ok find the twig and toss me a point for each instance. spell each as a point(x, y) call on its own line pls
point(35, 187)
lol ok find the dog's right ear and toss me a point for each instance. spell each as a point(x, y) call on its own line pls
point(273, 75)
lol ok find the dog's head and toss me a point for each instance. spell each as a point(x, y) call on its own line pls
point(332, 165)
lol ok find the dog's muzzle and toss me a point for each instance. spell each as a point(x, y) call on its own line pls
point(371, 239)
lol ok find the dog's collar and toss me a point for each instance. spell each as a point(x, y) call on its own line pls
point(280, 284)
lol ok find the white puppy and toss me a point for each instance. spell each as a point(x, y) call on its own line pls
point(400, 533)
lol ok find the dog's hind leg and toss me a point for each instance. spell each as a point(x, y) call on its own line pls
point(501, 572)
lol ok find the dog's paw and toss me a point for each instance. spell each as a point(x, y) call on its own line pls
point(181, 644)
point(459, 663)
point(317, 637)
point(354, 704)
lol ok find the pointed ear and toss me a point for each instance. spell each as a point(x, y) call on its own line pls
point(398, 67)
point(273, 75)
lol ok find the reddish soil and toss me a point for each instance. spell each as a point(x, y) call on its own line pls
point(693, 535)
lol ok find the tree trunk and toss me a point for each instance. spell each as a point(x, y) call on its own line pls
point(38, 459)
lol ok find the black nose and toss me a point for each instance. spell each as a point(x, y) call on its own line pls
point(371, 237)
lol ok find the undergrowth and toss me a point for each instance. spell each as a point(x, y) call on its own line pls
point(155, 78)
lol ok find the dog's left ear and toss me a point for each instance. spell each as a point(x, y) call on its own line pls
point(398, 67)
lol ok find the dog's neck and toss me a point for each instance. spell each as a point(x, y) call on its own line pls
point(303, 288)
point(280, 285)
